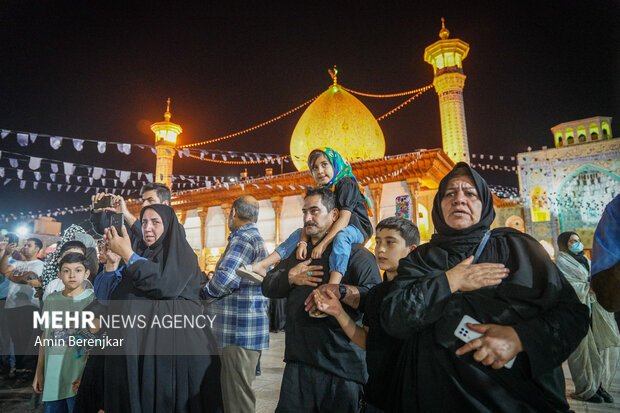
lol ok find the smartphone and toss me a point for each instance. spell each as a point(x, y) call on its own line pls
point(104, 202)
point(12, 238)
point(117, 221)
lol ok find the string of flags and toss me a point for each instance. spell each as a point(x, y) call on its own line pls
point(53, 172)
point(56, 142)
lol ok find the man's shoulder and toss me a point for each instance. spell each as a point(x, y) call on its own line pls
point(30, 265)
point(248, 232)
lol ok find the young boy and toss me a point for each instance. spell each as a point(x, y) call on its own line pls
point(395, 239)
point(58, 367)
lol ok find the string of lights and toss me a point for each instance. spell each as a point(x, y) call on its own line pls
point(406, 102)
point(259, 161)
point(260, 125)
point(390, 95)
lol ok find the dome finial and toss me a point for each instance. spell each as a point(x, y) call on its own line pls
point(167, 115)
point(334, 74)
point(443, 33)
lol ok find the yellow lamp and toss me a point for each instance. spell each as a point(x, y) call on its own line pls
point(166, 131)
point(165, 140)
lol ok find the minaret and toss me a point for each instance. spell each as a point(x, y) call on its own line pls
point(165, 139)
point(446, 56)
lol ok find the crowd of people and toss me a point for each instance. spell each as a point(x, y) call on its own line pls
point(477, 319)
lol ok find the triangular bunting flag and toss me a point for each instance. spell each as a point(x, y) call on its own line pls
point(55, 142)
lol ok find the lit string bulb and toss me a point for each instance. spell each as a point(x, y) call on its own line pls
point(392, 95)
point(260, 161)
point(190, 145)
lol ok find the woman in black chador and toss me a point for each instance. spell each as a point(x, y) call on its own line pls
point(161, 369)
point(504, 280)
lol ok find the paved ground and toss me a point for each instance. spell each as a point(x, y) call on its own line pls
point(267, 386)
point(14, 397)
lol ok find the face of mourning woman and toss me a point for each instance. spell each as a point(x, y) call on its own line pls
point(152, 227)
point(461, 205)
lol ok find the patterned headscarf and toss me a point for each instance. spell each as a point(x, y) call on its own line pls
point(342, 169)
point(50, 267)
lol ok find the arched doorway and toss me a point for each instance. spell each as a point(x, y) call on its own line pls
point(582, 197)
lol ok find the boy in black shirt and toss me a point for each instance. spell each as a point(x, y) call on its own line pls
point(395, 239)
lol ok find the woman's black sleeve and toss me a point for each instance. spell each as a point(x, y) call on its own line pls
point(414, 303)
point(147, 277)
point(550, 338)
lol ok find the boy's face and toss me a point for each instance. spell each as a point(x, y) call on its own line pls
point(322, 170)
point(73, 274)
point(390, 247)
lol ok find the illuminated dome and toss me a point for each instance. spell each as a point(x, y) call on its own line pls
point(338, 120)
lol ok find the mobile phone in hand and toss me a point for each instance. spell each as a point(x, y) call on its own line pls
point(104, 202)
point(117, 221)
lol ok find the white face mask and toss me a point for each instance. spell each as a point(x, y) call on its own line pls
point(576, 248)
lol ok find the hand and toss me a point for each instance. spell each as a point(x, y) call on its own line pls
point(112, 259)
point(118, 205)
point(75, 386)
point(323, 289)
point(37, 383)
point(304, 274)
point(302, 251)
point(10, 249)
point(36, 283)
point(496, 347)
point(118, 244)
point(327, 303)
point(318, 250)
point(466, 276)
point(97, 197)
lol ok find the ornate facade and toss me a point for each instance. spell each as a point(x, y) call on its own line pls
point(566, 188)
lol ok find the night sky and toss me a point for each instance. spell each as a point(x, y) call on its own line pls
point(103, 72)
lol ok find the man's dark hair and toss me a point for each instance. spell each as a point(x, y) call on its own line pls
point(72, 258)
point(314, 155)
point(163, 192)
point(327, 196)
point(245, 210)
point(37, 242)
point(405, 227)
point(73, 244)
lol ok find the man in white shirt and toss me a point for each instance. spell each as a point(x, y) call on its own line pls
point(20, 301)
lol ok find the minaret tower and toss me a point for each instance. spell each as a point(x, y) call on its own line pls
point(446, 56)
point(165, 140)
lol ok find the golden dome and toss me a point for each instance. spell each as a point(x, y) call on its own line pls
point(340, 121)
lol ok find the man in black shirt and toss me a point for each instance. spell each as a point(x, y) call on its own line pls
point(324, 370)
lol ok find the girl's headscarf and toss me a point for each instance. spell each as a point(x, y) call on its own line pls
point(342, 169)
point(563, 246)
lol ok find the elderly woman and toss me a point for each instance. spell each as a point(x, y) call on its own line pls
point(593, 364)
point(503, 279)
point(163, 369)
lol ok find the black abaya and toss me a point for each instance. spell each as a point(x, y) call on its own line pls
point(534, 299)
point(166, 283)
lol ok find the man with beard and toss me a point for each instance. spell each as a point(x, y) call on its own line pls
point(324, 370)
